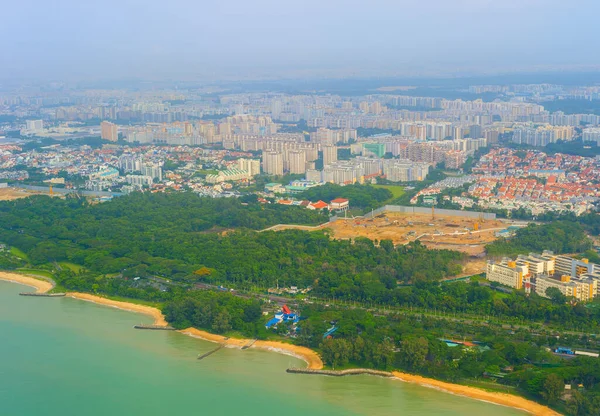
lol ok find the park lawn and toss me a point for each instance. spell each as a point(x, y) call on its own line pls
point(18, 253)
point(396, 190)
point(36, 272)
point(71, 266)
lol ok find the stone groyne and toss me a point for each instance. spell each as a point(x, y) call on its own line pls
point(155, 327)
point(44, 295)
point(341, 373)
point(200, 357)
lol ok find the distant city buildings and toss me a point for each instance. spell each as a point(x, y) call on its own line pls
point(272, 163)
point(216, 143)
point(252, 166)
point(109, 131)
point(591, 135)
point(542, 135)
point(33, 127)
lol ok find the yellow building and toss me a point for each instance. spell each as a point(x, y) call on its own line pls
point(583, 289)
point(508, 273)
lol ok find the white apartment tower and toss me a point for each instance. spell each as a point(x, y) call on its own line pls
point(272, 163)
point(252, 166)
point(329, 155)
point(297, 161)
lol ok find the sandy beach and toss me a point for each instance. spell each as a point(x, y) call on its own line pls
point(503, 399)
point(41, 286)
point(155, 313)
point(311, 357)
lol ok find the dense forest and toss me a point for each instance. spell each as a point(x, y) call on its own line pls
point(217, 312)
point(170, 236)
point(360, 196)
point(558, 236)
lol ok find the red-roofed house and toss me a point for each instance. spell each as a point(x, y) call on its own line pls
point(318, 205)
point(339, 204)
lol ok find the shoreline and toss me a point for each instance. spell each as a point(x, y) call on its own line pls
point(503, 399)
point(40, 286)
point(43, 286)
point(155, 313)
point(311, 357)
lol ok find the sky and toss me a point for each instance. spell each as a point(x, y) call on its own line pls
point(252, 39)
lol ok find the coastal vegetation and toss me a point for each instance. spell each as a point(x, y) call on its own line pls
point(390, 305)
point(170, 236)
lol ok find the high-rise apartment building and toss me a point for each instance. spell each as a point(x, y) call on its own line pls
point(129, 163)
point(34, 125)
point(252, 166)
point(330, 155)
point(296, 161)
point(109, 131)
point(152, 170)
point(272, 162)
point(475, 131)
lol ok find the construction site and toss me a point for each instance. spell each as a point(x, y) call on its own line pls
point(437, 231)
point(9, 194)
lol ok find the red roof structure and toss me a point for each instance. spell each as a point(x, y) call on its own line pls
point(339, 201)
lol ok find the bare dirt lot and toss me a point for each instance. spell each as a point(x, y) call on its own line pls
point(8, 194)
point(468, 235)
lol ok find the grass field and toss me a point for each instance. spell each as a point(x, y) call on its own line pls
point(396, 190)
point(36, 272)
point(16, 252)
point(71, 266)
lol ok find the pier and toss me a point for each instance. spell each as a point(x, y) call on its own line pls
point(200, 357)
point(154, 327)
point(341, 373)
point(43, 295)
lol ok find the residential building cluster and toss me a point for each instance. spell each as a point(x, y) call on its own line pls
point(576, 278)
point(510, 179)
point(216, 142)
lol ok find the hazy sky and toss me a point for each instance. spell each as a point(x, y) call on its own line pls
point(80, 39)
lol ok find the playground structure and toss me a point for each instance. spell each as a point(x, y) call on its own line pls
point(329, 332)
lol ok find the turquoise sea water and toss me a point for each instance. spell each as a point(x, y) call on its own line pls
point(61, 356)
